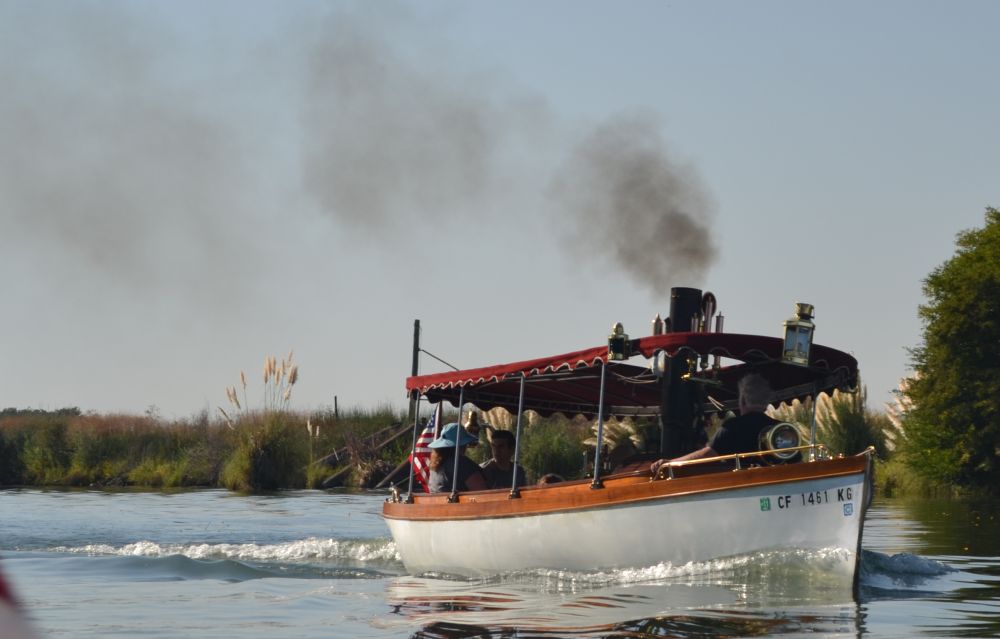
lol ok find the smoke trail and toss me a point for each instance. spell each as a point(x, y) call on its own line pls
point(109, 166)
point(390, 142)
point(113, 161)
point(620, 195)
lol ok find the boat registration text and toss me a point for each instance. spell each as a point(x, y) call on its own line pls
point(813, 498)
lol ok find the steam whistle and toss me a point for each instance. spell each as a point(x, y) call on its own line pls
point(708, 306)
point(717, 359)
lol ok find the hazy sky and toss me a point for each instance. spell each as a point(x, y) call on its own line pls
point(187, 187)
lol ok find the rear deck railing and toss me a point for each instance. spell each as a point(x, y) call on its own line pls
point(816, 452)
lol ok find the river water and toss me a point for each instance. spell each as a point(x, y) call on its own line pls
point(321, 564)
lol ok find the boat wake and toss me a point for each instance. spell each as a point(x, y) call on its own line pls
point(373, 550)
point(305, 558)
point(897, 576)
point(737, 569)
point(831, 566)
point(828, 567)
point(803, 575)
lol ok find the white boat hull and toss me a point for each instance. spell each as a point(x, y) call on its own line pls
point(699, 525)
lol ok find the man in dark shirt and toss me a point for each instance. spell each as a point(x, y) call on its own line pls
point(738, 434)
point(500, 470)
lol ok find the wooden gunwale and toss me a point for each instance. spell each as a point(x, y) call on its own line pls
point(618, 490)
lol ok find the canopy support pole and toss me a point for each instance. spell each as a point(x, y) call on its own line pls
point(812, 426)
point(453, 498)
point(597, 483)
point(515, 491)
point(413, 447)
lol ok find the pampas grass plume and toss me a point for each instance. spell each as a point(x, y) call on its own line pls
point(233, 397)
point(229, 422)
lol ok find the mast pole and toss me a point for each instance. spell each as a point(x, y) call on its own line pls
point(414, 405)
point(414, 395)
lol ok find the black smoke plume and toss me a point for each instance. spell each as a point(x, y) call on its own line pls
point(621, 196)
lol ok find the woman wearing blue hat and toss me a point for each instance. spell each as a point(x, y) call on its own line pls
point(442, 462)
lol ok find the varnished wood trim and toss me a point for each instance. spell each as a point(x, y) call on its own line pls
point(617, 490)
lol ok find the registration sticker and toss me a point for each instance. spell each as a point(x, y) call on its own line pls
point(765, 504)
point(848, 510)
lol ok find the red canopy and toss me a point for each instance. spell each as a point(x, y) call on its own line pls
point(570, 383)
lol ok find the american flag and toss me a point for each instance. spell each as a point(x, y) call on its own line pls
point(421, 456)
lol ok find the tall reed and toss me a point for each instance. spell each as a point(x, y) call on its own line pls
point(273, 449)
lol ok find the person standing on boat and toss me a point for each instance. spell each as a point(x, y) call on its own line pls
point(500, 470)
point(442, 462)
point(739, 434)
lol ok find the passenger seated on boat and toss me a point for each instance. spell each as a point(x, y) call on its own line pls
point(499, 471)
point(739, 434)
point(442, 462)
point(550, 478)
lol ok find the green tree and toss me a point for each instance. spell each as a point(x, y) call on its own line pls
point(953, 426)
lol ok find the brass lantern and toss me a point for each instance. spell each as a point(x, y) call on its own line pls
point(798, 335)
point(618, 344)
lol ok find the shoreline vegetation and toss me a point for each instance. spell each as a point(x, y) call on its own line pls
point(247, 452)
point(274, 449)
point(253, 451)
point(246, 449)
